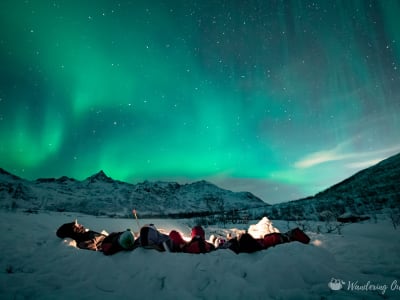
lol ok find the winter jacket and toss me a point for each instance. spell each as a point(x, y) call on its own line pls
point(244, 243)
point(177, 241)
point(198, 245)
point(94, 242)
point(110, 244)
point(272, 239)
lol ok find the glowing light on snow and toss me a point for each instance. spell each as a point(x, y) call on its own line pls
point(317, 243)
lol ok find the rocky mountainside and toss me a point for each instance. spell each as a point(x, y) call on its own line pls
point(102, 195)
point(371, 190)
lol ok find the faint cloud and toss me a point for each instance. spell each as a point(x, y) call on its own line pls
point(320, 157)
point(368, 158)
point(364, 164)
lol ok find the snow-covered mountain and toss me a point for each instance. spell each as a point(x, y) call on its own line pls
point(369, 191)
point(102, 195)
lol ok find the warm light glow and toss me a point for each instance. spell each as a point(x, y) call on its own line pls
point(317, 243)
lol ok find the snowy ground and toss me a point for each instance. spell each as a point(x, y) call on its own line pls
point(35, 264)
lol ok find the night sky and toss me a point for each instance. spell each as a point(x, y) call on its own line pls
point(279, 98)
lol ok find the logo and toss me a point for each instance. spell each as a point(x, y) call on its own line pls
point(336, 284)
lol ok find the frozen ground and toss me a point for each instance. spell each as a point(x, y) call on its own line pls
point(364, 262)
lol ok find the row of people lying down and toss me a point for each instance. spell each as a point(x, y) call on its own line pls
point(150, 237)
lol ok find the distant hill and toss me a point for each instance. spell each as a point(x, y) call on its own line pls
point(102, 195)
point(369, 191)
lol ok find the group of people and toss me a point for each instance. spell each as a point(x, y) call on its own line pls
point(151, 238)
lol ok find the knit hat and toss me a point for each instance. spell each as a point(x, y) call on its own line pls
point(198, 231)
point(126, 239)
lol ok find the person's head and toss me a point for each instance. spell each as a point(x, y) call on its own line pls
point(218, 242)
point(69, 230)
point(198, 231)
point(126, 240)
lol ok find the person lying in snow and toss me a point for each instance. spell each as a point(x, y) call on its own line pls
point(248, 244)
point(151, 238)
point(242, 243)
point(92, 240)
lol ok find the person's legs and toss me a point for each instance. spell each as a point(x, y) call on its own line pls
point(275, 238)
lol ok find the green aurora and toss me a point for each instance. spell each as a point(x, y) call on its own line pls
point(279, 98)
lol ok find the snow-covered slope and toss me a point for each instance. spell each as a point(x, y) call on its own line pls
point(369, 191)
point(35, 264)
point(101, 195)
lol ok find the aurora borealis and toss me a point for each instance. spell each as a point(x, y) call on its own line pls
point(279, 98)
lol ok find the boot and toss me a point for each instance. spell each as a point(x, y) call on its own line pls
point(298, 235)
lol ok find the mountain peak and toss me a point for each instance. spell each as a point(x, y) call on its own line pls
point(202, 183)
point(100, 176)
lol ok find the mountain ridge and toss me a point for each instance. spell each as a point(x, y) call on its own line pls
point(368, 191)
point(99, 194)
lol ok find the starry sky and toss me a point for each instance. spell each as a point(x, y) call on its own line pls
point(279, 98)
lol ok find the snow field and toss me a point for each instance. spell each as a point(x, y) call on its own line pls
point(35, 264)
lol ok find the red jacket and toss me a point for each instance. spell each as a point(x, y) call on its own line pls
point(197, 245)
